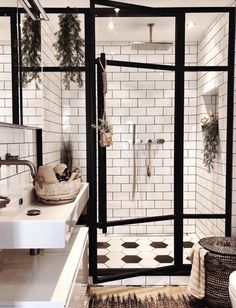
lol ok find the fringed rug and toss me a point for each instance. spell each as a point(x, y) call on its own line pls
point(161, 300)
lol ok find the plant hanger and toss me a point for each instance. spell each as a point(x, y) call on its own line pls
point(104, 125)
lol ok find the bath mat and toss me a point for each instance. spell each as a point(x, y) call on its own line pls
point(161, 300)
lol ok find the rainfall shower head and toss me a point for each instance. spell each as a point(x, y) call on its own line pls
point(151, 45)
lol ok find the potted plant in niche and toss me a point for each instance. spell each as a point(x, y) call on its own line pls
point(69, 47)
point(210, 130)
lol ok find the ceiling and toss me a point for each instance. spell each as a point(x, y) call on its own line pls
point(135, 28)
point(153, 3)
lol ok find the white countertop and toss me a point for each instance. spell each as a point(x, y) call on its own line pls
point(50, 229)
point(44, 280)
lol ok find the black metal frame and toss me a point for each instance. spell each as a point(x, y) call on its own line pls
point(104, 275)
point(90, 68)
point(12, 13)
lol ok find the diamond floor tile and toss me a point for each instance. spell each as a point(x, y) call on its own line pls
point(131, 259)
point(130, 245)
point(138, 252)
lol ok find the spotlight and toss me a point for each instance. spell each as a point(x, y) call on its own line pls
point(191, 24)
point(111, 25)
point(117, 10)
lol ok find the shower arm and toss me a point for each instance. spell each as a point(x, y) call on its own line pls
point(150, 31)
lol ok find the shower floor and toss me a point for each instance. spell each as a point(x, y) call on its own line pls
point(140, 251)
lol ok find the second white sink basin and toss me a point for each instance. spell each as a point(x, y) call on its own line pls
point(51, 229)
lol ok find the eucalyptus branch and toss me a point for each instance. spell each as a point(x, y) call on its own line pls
point(31, 49)
point(69, 47)
point(210, 142)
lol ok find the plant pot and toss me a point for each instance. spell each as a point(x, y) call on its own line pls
point(105, 140)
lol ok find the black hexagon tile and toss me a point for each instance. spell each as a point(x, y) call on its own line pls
point(188, 244)
point(158, 245)
point(130, 245)
point(164, 259)
point(103, 245)
point(103, 259)
point(131, 259)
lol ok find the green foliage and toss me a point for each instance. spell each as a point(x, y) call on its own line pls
point(210, 142)
point(104, 126)
point(31, 49)
point(69, 47)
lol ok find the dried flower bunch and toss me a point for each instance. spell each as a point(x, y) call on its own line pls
point(211, 137)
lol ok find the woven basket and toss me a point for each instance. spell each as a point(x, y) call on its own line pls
point(220, 262)
point(58, 193)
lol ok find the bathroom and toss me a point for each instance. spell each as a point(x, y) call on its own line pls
point(150, 195)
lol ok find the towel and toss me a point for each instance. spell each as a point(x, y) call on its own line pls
point(196, 286)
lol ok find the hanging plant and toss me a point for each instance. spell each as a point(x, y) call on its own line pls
point(211, 137)
point(31, 49)
point(106, 130)
point(69, 47)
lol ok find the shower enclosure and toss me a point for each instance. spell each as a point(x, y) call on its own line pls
point(153, 190)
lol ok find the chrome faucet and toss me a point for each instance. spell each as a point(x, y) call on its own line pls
point(11, 160)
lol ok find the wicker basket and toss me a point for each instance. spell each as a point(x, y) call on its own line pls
point(220, 262)
point(58, 193)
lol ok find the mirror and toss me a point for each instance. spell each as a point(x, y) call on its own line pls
point(42, 102)
point(5, 69)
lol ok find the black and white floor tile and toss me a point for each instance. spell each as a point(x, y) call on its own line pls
point(140, 252)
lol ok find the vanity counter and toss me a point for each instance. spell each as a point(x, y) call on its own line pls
point(46, 280)
point(51, 229)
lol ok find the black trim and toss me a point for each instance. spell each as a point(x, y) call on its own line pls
point(91, 138)
point(179, 138)
point(54, 69)
point(141, 65)
point(14, 70)
point(134, 221)
point(230, 117)
point(104, 223)
point(156, 12)
point(116, 273)
point(20, 71)
point(57, 10)
point(206, 68)
point(39, 147)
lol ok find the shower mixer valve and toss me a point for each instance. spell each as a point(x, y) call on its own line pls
point(147, 141)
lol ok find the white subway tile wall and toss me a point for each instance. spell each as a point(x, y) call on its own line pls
point(212, 97)
point(17, 141)
point(5, 82)
point(42, 108)
point(145, 98)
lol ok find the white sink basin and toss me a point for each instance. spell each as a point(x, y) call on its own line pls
point(51, 229)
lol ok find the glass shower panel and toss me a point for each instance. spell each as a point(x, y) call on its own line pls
point(140, 174)
point(136, 39)
point(205, 128)
point(206, 39)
